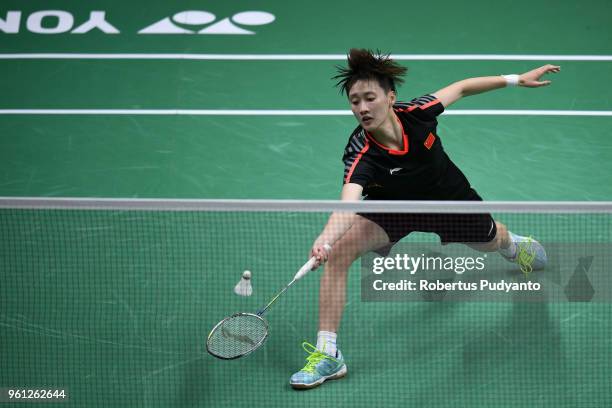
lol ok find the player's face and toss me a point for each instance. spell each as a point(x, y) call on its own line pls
point(370, 104)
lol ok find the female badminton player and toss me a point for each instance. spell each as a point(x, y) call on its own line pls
point(395, 153)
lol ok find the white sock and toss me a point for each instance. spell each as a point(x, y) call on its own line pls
point(326, 342)
point(509, 252)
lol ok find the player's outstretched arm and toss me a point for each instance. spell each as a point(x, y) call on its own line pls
point(473, 86)
point(337, 225)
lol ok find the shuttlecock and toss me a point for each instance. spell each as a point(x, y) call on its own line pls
point(244, 288)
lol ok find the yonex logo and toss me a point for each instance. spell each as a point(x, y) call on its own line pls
point(184, 22)
point(191, 22)
point(55, 22)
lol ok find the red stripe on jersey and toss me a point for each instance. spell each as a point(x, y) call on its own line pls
point(428, 104)
point(408, 108)
point(361, 153)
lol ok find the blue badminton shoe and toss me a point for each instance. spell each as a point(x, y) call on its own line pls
point(319, 367)
point(530, 254)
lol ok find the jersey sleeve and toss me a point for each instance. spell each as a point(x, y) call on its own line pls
point(356, 169)
point(426, 106)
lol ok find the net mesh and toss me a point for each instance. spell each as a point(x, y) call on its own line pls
point(237, 335)
point(116, 304)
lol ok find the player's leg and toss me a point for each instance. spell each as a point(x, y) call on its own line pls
point(363, 236)
point(484, 234)
point(501, 239)
point(325, 361)
point(528, 253)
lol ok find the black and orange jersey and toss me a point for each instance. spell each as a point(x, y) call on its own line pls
point(420, 171)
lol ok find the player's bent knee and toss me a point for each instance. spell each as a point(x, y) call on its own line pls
point(345, 252)
point(364, 236)
point(343, 255)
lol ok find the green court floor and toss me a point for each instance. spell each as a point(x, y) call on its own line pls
point(116, 306)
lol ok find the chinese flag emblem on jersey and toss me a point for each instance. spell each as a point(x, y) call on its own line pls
point(429, 141)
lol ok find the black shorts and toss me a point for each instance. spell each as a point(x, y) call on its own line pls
point(461, 228)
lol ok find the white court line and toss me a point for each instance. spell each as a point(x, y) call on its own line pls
point(270, 112)
point(304, 57)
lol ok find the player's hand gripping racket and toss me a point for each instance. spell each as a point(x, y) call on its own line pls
point(242, 333)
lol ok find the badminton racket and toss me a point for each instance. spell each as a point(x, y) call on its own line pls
point(242, 333)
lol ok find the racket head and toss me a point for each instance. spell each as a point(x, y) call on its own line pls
point(236, 336)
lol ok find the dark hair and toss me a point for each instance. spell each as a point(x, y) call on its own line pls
point(364, 64)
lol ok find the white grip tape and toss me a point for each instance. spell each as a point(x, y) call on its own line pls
point(308, 265)
point(306, 268)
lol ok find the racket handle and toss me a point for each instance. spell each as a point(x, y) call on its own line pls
point(308, 265)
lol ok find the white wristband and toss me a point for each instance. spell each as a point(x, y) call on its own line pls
point(511, 80)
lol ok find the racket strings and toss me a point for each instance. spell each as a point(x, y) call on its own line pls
point(237, 335)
